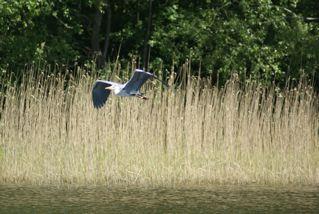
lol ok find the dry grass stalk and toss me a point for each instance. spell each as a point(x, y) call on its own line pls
point(194, 136)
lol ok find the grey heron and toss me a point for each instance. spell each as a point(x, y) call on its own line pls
point(102, 88)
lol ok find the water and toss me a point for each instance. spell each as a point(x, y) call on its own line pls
point(221, 199)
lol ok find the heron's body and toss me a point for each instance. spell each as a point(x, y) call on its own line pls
point(102, 88)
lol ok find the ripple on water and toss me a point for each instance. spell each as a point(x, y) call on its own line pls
point(196, 200)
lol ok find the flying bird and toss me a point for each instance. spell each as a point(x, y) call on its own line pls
point(102, 88)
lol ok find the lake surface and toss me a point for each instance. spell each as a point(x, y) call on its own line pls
point(220, 199)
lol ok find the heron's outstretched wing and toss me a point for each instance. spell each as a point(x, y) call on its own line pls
point(99, 93)
point(137, 80)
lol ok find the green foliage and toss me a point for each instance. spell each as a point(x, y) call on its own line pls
point(266, 40)
point(256, 39)
point(37, 31)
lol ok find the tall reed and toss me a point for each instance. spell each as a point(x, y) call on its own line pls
point(196, 135)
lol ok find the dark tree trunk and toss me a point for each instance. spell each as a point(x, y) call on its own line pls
point(146, 52)
point(107, 33)
point(137, 11)
point(96, 29)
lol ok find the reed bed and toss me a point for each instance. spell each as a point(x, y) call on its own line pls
point(181, 136)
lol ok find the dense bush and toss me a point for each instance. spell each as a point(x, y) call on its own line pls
point(268, 40)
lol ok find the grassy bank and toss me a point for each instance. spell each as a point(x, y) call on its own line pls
point(50, 134)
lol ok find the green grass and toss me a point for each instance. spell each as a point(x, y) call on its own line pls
point(199, 135)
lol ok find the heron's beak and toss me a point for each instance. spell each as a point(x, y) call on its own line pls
point(109, 88)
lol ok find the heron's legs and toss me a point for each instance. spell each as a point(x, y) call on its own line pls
point(141, 96)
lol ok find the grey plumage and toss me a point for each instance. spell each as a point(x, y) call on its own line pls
point(137, 80)
point(99, 93)
point(102, 88)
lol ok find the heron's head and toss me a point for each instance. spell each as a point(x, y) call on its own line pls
point(115, 88)
point(111, 88)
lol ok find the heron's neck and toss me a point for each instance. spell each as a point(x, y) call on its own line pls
point(117, 90)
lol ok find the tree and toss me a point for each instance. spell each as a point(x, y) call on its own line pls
point(268, 40)
point(146, 52)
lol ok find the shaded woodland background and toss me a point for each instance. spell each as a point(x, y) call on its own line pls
point(270, 41)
